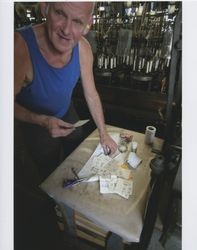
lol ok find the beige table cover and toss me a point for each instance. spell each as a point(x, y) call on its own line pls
point(111, 211)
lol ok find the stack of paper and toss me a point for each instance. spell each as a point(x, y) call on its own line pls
point(112, 177)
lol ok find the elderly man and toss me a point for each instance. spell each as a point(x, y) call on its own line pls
point(49, 59)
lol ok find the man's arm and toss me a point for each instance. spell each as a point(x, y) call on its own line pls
point(23, 73)
point(92, 97)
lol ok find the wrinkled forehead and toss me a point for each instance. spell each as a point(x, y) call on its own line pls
point(83, 8)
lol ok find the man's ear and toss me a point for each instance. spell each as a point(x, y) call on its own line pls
point(44, 7)
point(88, 26)
point(86, 30)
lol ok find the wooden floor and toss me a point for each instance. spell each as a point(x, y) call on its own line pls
point(173, 242)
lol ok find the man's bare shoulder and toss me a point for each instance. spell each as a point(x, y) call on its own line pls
point(84, 44)
point(85, 49)
point(21, 51)
point(18, 41)
point(22, 62)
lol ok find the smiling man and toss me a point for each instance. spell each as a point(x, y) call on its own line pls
point(49, 59)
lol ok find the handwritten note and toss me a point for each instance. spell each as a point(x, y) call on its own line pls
point(116, 185)
point(99, 165)
point(102, 164)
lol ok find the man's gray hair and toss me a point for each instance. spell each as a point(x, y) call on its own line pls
point(92, 10)
point(93, 7)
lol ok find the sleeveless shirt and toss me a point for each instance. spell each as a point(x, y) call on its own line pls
point(51, 90)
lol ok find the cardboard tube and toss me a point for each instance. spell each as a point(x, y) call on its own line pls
point(150, 134)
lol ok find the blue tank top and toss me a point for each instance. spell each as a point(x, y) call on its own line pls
point(51, 90)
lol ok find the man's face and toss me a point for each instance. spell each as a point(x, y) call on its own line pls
point(66, 22)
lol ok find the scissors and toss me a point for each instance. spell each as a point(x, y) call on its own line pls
point(72, 182)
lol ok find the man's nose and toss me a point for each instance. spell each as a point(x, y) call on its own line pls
point(67, 27)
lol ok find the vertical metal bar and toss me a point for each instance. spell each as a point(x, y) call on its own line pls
point(172, 76)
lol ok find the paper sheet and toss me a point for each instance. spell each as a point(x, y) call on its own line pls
point(133, 160)
point(101, 164)
point(116, 185)
point(91, 167)
point(112, 176)
point(80, 123)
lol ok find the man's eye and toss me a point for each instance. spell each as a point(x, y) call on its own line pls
point(78, 22)
point(59, 12)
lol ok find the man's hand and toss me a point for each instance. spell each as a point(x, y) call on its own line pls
point(108, 144)
point(57, 127)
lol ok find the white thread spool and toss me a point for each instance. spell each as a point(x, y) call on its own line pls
point(150, 134)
